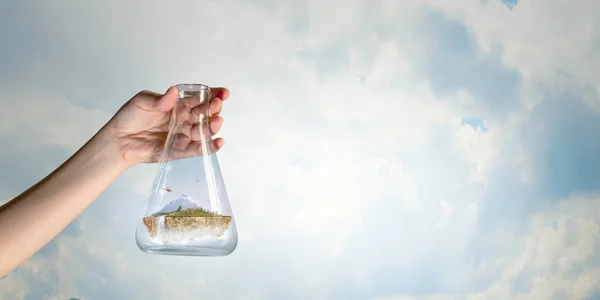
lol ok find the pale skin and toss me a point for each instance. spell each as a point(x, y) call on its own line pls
point(136, 134)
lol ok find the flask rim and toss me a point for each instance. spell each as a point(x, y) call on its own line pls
point(192, 87)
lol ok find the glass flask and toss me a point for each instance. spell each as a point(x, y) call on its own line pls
point(187, 210)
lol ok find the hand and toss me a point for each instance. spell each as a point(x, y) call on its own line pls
point(141, 126)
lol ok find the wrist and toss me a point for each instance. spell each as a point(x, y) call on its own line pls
point(108, 149)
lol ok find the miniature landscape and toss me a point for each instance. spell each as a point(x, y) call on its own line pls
point(187, 222)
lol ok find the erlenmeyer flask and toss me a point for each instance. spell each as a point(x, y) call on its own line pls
point(187, 210)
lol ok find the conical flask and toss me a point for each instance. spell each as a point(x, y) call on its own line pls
point(187, 210)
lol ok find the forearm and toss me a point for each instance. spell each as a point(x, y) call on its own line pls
point(35, 217)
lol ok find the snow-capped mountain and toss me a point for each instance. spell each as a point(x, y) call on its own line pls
point(184, 201)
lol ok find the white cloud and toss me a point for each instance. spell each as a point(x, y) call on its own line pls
point(60, 122)
point(556, 261)
point(13, 287)
point(541, 39)
point(558, 255)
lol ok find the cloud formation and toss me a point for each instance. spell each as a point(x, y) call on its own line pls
point(351, 170)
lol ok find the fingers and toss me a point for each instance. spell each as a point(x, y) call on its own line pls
point(155, 102)
point(194, 125)
point(192, 116)
point(214, 126)
point(219, 92)
point(151, 101)
point(193, 149)
point(218, 144)
point(214, 108)
point(197, 149)
point(191, 102)
point(166, 102)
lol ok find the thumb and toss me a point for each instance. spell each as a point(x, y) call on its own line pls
point(166, 102)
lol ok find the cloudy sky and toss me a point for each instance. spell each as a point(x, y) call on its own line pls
point(375, 149)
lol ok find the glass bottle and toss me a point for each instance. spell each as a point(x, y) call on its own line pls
point(187, 210)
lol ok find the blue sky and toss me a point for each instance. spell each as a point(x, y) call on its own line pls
point(398, 150)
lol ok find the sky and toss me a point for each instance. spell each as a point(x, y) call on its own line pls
point(384, 150)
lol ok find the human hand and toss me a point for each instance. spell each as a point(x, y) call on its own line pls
point(141, 126)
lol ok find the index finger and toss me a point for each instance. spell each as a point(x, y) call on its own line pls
point(221, 92)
